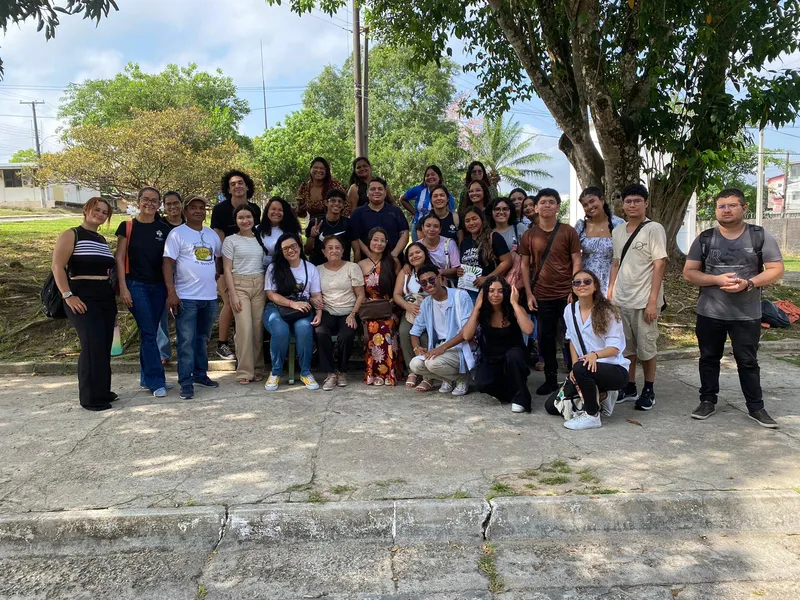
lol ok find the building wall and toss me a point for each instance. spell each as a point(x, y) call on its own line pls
point(785, 230)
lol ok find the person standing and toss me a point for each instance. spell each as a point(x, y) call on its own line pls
point(594, 232)
point(482, 251)
point(378, 213)
point(476, 172)
point(172, 217)
point(449, 219)
point(331, 223)
point(636, 287)
point(361, 176)
point(417, 200)
point(443, 251)
point(139, 257)
point(311, 194)
point(81, 264)
point(730, 263)
point(552, 252)
point(278, 218)
point(238, 189)
point(191, 267)
point(408, 296)
point(517, 197)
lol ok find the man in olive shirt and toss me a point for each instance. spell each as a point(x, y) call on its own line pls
point(553, 277)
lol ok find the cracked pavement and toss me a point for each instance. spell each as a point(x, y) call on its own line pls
point(242, 445)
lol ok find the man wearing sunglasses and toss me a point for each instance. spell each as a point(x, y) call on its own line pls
point(442, 316)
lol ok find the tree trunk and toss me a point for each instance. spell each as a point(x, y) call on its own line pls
point(669, 198)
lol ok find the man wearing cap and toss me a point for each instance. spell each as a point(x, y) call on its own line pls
point(192, 265)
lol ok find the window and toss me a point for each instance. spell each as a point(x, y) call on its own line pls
point(794, 173)
point(12, 178)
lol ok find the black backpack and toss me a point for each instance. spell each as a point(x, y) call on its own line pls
point(756, 235)
point(52, 303)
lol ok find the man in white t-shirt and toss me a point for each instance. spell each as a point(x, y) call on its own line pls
point(192, 266)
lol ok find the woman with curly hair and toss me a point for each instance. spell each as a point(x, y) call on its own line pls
point(484, 253)
point(278, 218)
point(382, 356)
point(504, 325)
point(596, 342)
point(594, 233)
point(312, 193)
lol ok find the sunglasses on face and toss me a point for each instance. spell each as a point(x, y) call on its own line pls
point(425, 283)
point(579, 282)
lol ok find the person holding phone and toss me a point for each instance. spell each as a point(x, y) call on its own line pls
point(331, 223)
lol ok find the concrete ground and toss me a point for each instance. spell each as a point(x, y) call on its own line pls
point(294, 494)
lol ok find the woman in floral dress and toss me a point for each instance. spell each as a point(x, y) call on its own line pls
point(382, 352)
point(594, 232)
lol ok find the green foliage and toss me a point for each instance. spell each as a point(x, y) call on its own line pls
point(408, 128)
point(505, 150)
point(106, 102)
point(46, 13)
point(24, 156)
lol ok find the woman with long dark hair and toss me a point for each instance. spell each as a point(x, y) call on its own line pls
point(417, 200)
point(293, 290)
point(594, 233)
point(596, 342)
point(81, 264)
point(477, 172)
point(477, 194)
point(504, 327)
point(449, 219)
point(529, 212)
point(517, 197)
point(278, 218)
point(503, 220)
point(484, 253)
point(312, 193)
point(443, 250)
point(358, 192)
point(383, 363)
point(408, 295)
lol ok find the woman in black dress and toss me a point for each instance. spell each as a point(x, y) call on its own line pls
point(504, 328)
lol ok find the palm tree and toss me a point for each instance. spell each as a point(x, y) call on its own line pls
point(505, 150)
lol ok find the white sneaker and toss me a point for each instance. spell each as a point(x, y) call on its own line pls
point(583, 420)
point(517, 408)
point(461, 389)
point(272, 382)
point(609, 403)
point(446, 388)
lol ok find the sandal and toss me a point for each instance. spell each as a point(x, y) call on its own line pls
point(424, 386)
point(257, 378)
point(243, 381)
point(378, 381)
point(411, 381)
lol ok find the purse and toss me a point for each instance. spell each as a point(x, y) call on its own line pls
point(291, 315)
point(50, 295)
point(375, 310)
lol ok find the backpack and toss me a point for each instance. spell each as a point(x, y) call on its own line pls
point(756, 235)
point(50, 296)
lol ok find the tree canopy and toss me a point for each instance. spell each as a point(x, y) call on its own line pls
point(24, 156)
point(46, 13)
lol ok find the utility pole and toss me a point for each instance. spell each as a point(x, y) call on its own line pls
point(760, 179)
point(263, 86)
point(360, 150)
point(785, 187)
point(365, 94)
point(33, 104)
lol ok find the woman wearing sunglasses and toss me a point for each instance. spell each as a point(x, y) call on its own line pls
point(596, 341)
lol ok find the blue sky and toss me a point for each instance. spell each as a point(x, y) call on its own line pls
point(214, 34)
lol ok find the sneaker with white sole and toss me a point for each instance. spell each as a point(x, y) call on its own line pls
point(625, 395)
point(341, 380)
point(329, 383)
point(583, 420)
point(225, 352)
point(608, 403)
point(160, 393)
point(272, 383)
point(309, 382)
point(446, 388)
point(461, 389)
point(517, 408)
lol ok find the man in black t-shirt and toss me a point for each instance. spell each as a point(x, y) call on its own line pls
point(331, 223)
point(238, 188)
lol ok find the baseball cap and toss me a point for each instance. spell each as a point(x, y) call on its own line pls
point(191, 199)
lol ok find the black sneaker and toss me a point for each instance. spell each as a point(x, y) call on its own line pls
point(187, 392)
point(207, 382)
point(627, 394)
point(549, 386)
point(704, 410)
point(762, 417)
point(224, 352)
point(646, 400)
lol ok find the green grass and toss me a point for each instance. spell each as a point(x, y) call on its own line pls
point(795, 360)
point(298, 487)
point(487, 566)
point(791, 263)
point(554, 480)
point(500, 489)
point(341, 489)
point(316, 497)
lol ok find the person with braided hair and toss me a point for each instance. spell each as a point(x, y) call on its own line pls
point(594, 233)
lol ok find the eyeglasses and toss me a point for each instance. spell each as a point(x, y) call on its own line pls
point(729, 206)
point(579, 282)
point(152, 201)
point(334, 200)
point(172, 204)
point(633, 201)
point(290, 248)
point(501, 209)
point(425, 283)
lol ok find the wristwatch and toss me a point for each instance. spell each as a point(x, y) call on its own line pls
point(66, 295)
point(750, 285)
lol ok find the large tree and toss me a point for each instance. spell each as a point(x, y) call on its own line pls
point(175, 148)
point(680, 79)
point(109, 101)
point(47, 13)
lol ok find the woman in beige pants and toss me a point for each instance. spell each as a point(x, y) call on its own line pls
point(242, 261)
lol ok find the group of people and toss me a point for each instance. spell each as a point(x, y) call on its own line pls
point(473, 295)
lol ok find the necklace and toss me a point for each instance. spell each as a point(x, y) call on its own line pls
point(329, 224)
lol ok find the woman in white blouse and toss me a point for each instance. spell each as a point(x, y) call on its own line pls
point(596, 341)
point(243, 266)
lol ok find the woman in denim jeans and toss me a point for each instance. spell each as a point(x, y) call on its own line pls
point(140, 250)
point(292, 283)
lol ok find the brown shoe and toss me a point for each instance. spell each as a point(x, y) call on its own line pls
point(329, 383)
point(341, 380)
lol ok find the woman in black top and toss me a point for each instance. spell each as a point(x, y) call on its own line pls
point(504, 327)
point(140, 252)
point(360, 179)
point(81, 264)
point(482, 249)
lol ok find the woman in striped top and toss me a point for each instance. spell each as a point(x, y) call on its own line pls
point(82, 261)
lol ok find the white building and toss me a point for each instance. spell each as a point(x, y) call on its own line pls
point(17, 191)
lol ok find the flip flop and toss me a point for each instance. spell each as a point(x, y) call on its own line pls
point(257, 378)
point(243, 381)
point(424, 386)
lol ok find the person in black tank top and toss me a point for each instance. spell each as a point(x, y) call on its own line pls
point(504, 327)
point(81, 264)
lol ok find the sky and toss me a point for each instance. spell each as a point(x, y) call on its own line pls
point(155, 33)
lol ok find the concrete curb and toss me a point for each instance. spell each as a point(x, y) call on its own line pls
point(229, 366)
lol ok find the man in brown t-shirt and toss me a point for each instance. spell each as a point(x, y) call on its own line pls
point(548, 294)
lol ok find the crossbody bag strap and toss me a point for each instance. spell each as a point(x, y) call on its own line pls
point(545, 254)
point(128, 232)
point(578, 329)
point(630, 241)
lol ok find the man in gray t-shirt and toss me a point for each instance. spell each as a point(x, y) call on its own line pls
point(724, 262)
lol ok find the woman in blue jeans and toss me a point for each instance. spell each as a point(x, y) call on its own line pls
point(295, 305)
point(140, 250)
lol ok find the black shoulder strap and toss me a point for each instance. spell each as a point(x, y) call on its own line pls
point(757, 237)
point(544, 255)
point(630, 241)
point(578, 329)
point(260, 241)
point(705, 247)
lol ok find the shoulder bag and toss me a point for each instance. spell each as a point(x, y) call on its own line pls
point(291, 315)
point(50, 296)
point(625, 251)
